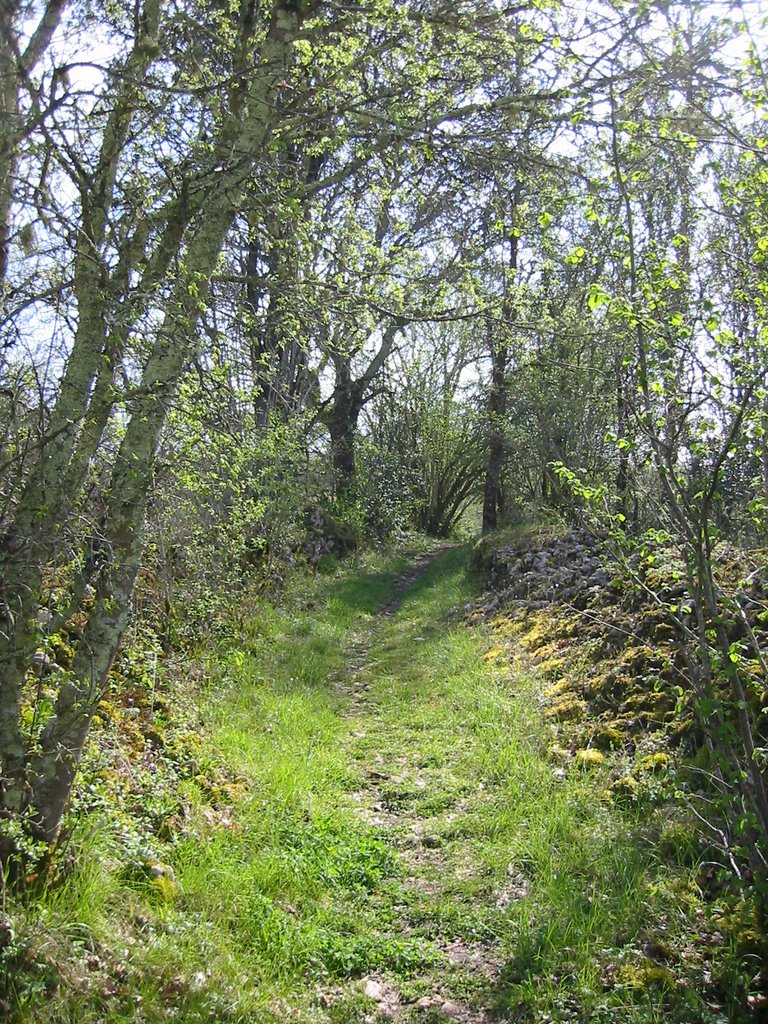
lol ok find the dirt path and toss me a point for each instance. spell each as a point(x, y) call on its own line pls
point(416, 571)
point(394, 775)
point(516, 890)
point(354, 680)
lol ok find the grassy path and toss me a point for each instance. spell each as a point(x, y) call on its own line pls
point(399, 847)
point(418, 857)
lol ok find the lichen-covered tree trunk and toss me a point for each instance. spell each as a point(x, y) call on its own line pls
point(70, 439)
point(16, 64)
point(242, 140)
point(9, 103)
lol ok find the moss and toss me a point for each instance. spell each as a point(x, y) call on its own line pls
point(740, 921)
point(589, 757)
point(571, 625)
point(664, 631)
point(505, 626)
point(558, 753)
point(630, 723)
point(569, 707)
point(108, 711)
point(654, 702)
point(495, 655)
point(61, 650)
point(604, 684)
point(657, 762)
point(608, 738)
point(552, 666)
point(641, 977)
point(229, 792)
point(626, 787)
point(165, 888)
point(558, 689)
point(631, 655)
point(537, 630)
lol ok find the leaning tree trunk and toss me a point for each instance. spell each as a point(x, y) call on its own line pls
point(46, 500)
point(9, 114)
point(16, 65)
point(42, 784)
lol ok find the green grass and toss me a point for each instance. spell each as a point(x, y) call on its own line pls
point(413, 830)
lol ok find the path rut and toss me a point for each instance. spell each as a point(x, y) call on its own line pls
point(425, 864)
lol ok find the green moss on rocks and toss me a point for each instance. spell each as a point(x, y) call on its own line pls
point(609, 738)
point(657, 762)
point(567, 708)
point(589, 757)
point(643, 976)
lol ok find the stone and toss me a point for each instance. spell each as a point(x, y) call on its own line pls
point(374, 990)
point(452, 1010)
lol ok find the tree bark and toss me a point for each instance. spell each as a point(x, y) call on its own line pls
point(47, 497)
point(242, 140)
point(15, 65)
point(349, 397)
point(498, 398)
point(9, 117)
point(493, 497)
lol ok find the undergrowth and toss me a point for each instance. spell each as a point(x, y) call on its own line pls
point(338, 798)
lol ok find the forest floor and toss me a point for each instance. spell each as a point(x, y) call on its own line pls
point(387, 841)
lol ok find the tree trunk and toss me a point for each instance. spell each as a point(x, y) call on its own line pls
point(349, 397)
point(44, 786)
point(9, 102)
point(622, 422)
point(46, 499)
point(498, 398)
point(493, 498)
point(342, 424)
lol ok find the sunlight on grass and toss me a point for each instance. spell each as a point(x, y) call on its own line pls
point(387, 792)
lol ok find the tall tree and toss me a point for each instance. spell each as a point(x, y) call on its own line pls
point(189, 231)
point(155, 157)
point(20, 102)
